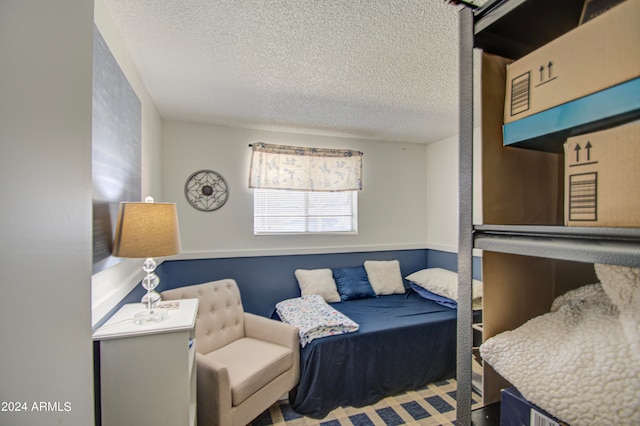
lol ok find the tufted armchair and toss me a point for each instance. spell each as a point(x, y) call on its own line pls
point(245, 362)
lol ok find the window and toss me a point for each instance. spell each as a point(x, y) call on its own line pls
point(299, 212)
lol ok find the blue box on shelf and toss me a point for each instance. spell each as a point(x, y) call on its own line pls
point(515, 410)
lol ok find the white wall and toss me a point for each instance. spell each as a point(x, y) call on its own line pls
point(392, 204)
point(111, 285)
point(45, 182)
point(409, 198)
point(442, 191)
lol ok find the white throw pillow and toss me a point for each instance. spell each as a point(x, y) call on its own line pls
point(384, 276)
point(318, 281)
point(442, 282)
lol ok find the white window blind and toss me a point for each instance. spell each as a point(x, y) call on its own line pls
point(284, 212)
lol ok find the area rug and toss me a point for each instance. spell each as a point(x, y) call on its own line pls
point(429, 406)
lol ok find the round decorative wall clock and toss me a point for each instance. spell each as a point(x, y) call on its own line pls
point(206, 190)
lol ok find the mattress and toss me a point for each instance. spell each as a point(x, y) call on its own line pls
point(404, 342)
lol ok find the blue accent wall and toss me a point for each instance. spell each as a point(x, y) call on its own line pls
point(266, 280)
point(447, 260)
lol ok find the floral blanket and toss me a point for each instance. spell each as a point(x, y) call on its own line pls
point(314, 318)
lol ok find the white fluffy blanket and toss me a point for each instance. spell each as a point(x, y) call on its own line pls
point(581, 361)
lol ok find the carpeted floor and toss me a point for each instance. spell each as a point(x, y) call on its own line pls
point(429, 406)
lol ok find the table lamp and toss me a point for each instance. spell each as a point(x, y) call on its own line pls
point(147, 230)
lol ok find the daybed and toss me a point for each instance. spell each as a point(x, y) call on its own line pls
point(404, 342)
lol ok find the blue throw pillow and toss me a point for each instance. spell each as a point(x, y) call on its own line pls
point(353, 283)
point(440, 300)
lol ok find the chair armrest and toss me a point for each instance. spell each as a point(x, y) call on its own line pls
point(276, 332)
point(213, 391)
point(271, 330)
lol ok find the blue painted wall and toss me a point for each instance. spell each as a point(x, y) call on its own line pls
point(446, 260)
point(266, 280)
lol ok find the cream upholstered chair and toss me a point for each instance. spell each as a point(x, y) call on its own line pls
point(245, 362)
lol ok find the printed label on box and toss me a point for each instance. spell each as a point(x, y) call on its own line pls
point(539, 419)
point(520, 93)
point(583, 197)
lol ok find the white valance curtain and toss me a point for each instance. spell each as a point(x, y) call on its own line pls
point(305, 169)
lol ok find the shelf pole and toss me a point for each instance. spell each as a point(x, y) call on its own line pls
point(465, 224)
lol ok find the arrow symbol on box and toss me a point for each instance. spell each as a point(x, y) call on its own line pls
point(549, 66)
point(577, 150)
point(588, 146)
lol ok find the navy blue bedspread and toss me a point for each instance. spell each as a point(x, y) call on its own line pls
point(404, 342)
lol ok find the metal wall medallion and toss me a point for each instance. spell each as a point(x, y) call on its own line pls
point(206, 190)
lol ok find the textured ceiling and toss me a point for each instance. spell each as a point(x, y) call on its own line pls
point(374, 69)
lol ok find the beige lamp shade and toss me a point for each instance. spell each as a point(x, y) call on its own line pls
point(146, 230)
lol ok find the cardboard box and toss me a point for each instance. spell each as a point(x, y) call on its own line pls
point(594, 8)
point(602, 178)
point(515, 410)
point(602, 53)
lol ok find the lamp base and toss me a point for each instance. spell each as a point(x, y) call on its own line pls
point(150, 316)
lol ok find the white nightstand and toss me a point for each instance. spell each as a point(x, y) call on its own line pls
point(147, 372)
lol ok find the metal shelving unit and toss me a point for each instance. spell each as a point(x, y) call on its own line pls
point(620, 246)
point(511, 29)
